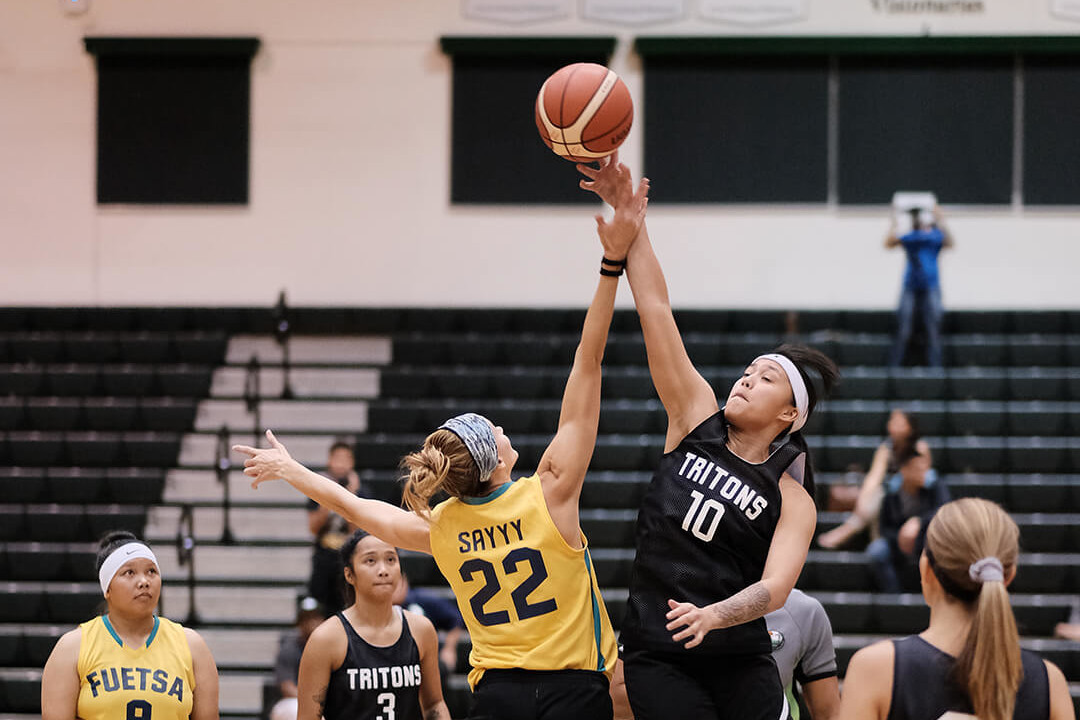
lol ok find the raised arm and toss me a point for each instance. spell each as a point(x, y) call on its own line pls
point(892, 239)
point(687, 396)
point(562, 466)
point(939, 220)
point(387, 522)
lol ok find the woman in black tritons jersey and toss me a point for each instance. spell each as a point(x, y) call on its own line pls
point(373, 660)
point(968, 663)
point(724, 528)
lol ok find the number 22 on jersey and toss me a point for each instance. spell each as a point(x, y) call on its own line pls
point(512, 571)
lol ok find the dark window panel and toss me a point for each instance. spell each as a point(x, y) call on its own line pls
point(497, 155)
point(940, 123)
point(173, 119)
point(736, 129)
point(1051, 142)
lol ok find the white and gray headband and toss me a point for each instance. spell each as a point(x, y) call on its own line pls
point(475, 431)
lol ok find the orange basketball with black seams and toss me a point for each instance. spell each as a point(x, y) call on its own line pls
point(584, 112)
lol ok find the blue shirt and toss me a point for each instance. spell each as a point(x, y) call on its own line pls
point(922, 248)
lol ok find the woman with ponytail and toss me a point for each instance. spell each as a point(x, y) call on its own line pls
point(969, 659)
point(513, 551)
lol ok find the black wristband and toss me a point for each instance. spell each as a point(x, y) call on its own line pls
point(610, 273)
point(614, 263)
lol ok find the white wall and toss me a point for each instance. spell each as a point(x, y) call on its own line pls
point(350, 177)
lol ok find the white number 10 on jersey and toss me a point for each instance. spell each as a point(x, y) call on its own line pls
point(699, 512)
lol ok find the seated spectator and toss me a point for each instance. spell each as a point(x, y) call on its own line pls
point(330, 531)
point(1067, 631)
point(903, 435)
point(912, 496)
point(443, 614)
point(309, 615)
point(1070, 629)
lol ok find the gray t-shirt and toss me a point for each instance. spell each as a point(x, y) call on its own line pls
point(802, 640)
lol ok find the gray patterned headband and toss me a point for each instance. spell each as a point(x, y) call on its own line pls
point(475, 431)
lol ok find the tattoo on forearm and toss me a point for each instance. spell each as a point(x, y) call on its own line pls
point(433, 713)
point(743, 606)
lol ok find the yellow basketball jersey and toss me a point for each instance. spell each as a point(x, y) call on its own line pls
point(154, 682)
point(528, 599)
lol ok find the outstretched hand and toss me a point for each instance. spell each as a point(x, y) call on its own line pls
point(262, 464)
point(617, 234)
point(695, 622)
point(612, 182)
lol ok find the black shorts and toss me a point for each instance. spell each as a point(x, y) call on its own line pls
point(717, 687)
point(542, 695)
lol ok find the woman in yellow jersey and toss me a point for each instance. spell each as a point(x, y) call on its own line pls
point(129, 664)
point(513, 551)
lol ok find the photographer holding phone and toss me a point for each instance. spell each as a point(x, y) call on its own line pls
point(922, 289)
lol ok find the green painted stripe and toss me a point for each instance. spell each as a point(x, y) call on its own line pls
point(568, 46)
point(109, 627)
point(487, 498)
point(112, 631)
point(153, 633)
point(601, 663)
point(861, 45)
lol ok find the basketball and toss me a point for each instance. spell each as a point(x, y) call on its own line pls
point(584, 112)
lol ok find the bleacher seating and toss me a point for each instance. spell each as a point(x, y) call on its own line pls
point(99, 407)
point(93, 404)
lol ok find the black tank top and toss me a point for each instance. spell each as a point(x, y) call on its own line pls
point(376, 683)
point(703, 534)
point(922, 689)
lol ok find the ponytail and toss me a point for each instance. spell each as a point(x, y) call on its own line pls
point(442, 465)
point(972, 547)
point(990, 661)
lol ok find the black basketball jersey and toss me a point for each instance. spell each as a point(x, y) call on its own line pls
point(376, 683)
point(922, 689)
point(703, 534)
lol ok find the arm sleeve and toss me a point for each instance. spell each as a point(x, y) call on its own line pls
point(819, 659)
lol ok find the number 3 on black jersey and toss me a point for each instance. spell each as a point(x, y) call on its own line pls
point(520, 594)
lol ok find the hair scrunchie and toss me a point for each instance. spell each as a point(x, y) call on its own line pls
point(988, 569)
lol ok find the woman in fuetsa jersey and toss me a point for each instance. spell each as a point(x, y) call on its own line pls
point(968, 663)
point(129, 664)
point(512, 551)
point(726, 522)
point(373, 660)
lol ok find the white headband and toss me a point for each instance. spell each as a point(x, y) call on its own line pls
point(798, 387)
point(119, 556)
